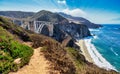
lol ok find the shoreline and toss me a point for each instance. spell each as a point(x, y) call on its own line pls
point(83, 48)
point(92, 55)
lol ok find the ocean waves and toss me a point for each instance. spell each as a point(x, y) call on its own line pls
point(96, 56)
point(107, 42)
point(114, 51)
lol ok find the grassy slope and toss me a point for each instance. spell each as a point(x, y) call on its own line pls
point(55, 53)
point(84, 67)
point(64, 66)
point(65, 60)
point(10, 50)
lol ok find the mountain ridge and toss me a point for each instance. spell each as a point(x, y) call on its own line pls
point(60, 23)
point(80, 20)
point(22, 14)
point(16, 14)
point(48, 16)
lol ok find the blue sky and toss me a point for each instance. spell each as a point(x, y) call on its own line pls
point(97, 11)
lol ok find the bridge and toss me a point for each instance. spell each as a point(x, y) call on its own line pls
point(33, 25)
point(37, 26)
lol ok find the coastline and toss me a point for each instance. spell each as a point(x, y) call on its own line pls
point(84, 50)
point(92, 55)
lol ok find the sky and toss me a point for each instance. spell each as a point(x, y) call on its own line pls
point(97, 11)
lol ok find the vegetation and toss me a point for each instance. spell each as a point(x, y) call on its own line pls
point(10, 50)
point(76, 56)
point(83, 66)
point(55, 53)
point(48, 16)
point(16, 14)
point(52, 49)
point(14, 29)
point(65, 60)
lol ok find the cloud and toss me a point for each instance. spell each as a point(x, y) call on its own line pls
point(61, 2)
point(103, 16)
point(95, 16)
point(75, 12)
point(116, 19)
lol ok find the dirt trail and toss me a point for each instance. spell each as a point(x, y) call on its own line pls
point(37, 65)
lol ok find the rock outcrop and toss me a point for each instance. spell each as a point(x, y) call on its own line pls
point(74, 30)
point(61, 26)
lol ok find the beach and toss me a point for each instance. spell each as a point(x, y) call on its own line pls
point(84, 50)
point(92, 55)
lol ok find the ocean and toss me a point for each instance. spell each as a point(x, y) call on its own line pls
point(105, 45)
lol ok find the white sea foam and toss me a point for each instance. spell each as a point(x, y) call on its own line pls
point(94, 30)
point(95, 37)
point(114, 51)
point(96, 56)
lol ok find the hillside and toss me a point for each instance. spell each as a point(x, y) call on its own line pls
point(44, 15)
point(65, 60)
point(13, 54)
point(80, 20)
point(62, 28)
point(51, 17)
point(16, 14)
point(64, 66)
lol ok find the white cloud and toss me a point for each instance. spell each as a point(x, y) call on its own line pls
point(75, 12)
point(95, 16)
point(102, 16)
point(62, 2)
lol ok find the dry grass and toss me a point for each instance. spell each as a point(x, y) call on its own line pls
point(66, 61)
point(55, 53)
point(83, 66)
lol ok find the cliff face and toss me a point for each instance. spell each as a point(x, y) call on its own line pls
point(61, 26)
point(76, 31)
point(55, 25)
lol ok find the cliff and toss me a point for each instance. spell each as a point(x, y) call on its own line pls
point(61, 26)
point(64, 60)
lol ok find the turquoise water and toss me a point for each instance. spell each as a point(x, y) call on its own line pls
point(107, 42)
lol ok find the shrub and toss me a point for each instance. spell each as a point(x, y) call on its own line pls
point(11, 50)
point(55, 53)
point(14, 29)
point(83, 66)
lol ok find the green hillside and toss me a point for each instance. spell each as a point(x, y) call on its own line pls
point(66, 60)
point(11, 49)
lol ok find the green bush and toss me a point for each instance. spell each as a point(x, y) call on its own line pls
point(79, 60)
point(14, 29)
point(10, 50)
